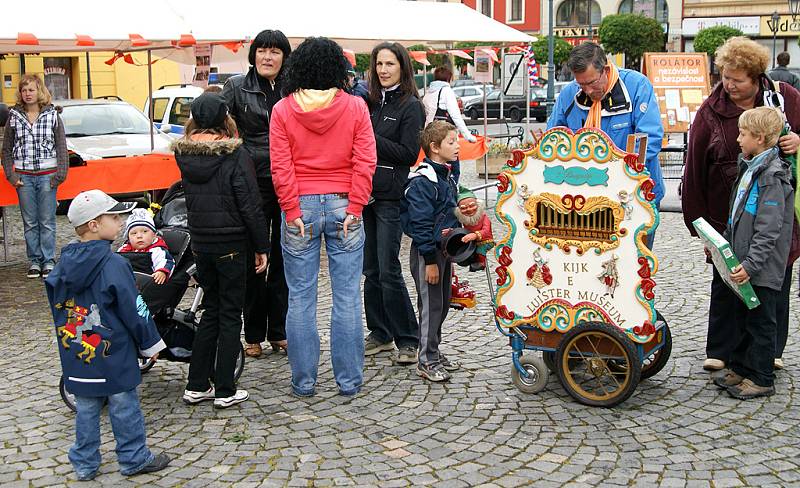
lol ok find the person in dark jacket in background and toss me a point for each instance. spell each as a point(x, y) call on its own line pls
point(712, 168)
point(355, 86)
point(250, 98)
point(226, 223)
point(102, 327)
point(782, 73)
point(397, 119)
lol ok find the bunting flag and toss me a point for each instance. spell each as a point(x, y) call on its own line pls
point(127, 58)
point(421, 57)
point(533, 68)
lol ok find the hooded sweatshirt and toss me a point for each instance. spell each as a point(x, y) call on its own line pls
point(102, 324)
point(321, 142)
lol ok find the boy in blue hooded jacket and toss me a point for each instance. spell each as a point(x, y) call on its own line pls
point(427, 216)
point(102, 325)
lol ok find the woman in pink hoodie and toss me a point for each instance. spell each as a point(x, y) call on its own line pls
point(322, 150)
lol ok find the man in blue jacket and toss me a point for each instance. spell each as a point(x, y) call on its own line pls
point(628, 106)
point(102, 326)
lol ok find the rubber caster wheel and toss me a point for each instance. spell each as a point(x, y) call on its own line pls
point(538, 374)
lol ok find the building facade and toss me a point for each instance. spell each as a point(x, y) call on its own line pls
point(752, 17)
point(576, 21)
point(65, 75)
point(523, 15)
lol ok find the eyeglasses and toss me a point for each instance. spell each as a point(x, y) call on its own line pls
point(593, 83)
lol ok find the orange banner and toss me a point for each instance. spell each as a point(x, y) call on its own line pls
point(114, 175)
point(466, 150)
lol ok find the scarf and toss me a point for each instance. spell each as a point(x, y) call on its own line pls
point(752, 165)
point(596, 110)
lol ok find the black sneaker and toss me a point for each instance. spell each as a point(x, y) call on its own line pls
point(34, 272)
point(158, 463)
point(447, 364)
point(433, 372)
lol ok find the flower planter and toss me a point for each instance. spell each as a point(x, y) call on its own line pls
point(494, 164)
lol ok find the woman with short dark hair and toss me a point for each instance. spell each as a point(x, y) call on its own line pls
point(250, 99)
point(323, 158)
point(397, 119)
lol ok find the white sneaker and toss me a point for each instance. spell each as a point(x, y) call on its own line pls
point(192, 397)
point(713, 364)
point(778, 364)
point(238, 397)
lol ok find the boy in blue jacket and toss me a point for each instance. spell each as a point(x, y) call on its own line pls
point(427, 215)
point(102, 325)
point(760, 233)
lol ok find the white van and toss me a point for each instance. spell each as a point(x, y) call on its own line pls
point(171, 107)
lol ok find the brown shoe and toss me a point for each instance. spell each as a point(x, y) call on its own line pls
point(726, 378)
point(279, 346)
point(747, 390)
point(253, 350)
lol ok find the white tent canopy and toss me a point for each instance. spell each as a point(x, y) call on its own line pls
point(355, 24)
point(108, 24)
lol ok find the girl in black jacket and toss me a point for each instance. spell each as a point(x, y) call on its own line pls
point(226, 223)
point(397, 119)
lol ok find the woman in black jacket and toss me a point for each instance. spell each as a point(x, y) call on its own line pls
point(250, 98)
point(226, 223)
point(397, 119)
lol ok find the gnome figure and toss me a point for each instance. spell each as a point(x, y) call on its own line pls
point(472, 215)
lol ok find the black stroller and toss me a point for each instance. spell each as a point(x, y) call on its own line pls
point(176, 325)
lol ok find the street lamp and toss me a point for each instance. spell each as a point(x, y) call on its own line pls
point(794, 8)
point(773, 26)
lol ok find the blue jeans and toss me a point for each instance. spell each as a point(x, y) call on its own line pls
point(127, 422)
point(323, 215)
point(37, 204)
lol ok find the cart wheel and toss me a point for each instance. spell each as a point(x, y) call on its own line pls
point(653, 364)
point(237, 371)
point(146, 364)
point(68, 397)
point(584, 356)
point(549, 358)
point(537, 375)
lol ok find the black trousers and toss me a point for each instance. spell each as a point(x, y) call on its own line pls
point(267, 297)
point(387, 305)
point(722, 309)
point(222, 277)
point(783, 313)
point(753, 355)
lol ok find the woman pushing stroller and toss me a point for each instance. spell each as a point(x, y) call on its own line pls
point(226, 223)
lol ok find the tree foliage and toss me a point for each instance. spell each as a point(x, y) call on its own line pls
point(632, 34)
point(362, 63)
point(711, 38)
point(561, 50)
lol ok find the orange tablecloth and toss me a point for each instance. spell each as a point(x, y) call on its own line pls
point(114, 175)
point(466, 150)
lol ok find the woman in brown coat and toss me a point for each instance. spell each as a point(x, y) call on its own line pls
point(711, 170)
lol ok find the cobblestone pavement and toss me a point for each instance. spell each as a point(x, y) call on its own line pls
point(676, 430)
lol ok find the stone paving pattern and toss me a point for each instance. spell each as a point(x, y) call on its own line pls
point(676, 430)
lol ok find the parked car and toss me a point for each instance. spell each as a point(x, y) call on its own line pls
point(103, 129)
point(468, 93)
point(465, 82)
point(539, 100)
point(171, 107)
point(513, 107)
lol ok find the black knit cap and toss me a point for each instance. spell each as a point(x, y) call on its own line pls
point(209, 110)
point(269, 38)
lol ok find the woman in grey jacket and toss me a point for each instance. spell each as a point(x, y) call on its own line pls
point(35, 162)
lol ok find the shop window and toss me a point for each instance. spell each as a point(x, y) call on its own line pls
point(576, 13)
point(57, 76)
point(656, 9)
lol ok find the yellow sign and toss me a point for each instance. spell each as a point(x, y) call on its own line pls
point(786, 26)
point(567, 32)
